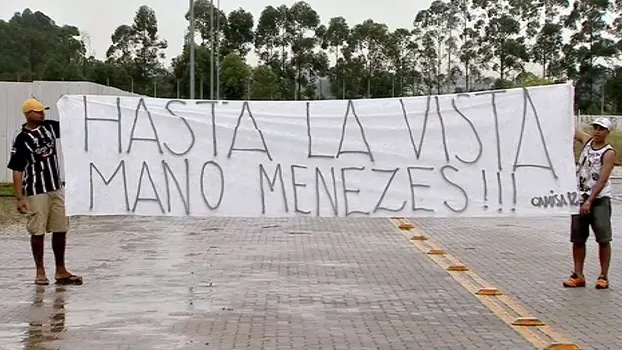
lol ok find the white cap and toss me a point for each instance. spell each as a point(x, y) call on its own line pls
point(604, 122)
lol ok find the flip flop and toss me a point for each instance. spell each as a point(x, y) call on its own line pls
point(42, 281)
point(72, 279)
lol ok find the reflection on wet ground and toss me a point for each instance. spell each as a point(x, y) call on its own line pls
point(297, 283)
point(46, 318)
point(226, 283)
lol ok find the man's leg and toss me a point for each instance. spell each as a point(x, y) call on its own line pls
point(59, 243)
point(36, 244)
point(603, 232)
point(58, 225)
point(35, 225)
point(604, 255)
point(579, 231)
point(578, 256)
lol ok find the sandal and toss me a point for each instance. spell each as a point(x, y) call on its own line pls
point(71, 279)
point(574, 281)
point(42, 281)
point(602, 282)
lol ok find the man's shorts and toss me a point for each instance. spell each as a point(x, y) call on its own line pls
point(46, 213)
point(599, 219)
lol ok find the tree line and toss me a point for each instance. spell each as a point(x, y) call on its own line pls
point(452, 46)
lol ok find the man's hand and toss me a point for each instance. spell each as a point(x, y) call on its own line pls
point(586, 207)
point(581, 136)
point(22, 206)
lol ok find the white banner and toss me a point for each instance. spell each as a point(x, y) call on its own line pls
point(493, 153)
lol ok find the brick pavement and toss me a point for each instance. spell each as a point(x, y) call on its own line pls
point(529, 259)
point(242, 284)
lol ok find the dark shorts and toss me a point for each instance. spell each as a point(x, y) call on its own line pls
point(599, 219)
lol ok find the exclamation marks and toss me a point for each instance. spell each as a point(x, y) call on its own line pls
point(485, 190)
point(514, 192)
point(499, 191)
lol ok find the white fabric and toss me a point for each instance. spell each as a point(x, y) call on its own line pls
point(490, 153)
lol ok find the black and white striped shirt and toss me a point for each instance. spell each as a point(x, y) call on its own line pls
point(34, 154)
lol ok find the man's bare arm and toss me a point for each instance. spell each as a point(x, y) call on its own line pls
point(608, 163)
point(18, 178)
point(581, 136)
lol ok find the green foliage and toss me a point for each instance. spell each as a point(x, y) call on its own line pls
point(235, 77)
point(452, 46)
point(265, 85)
point(32, 47)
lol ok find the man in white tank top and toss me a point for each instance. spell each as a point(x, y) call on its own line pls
point(595, 165)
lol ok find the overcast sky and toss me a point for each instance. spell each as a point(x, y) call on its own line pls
point(100, 18)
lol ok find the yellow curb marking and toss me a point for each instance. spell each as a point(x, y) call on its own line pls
point(558, 346)
point(489, 291)
point(507, 309)
point(457, 268)
point(528, 321)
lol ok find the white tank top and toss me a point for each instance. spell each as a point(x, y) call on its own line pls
point(588, 172)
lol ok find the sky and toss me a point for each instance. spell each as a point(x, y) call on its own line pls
point(100, 18)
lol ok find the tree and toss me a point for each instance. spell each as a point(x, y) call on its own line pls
point(365, 43)
point(401, 49)
point(203, 22)
point(438, 23)
point(453, 46)
point(426, 58)
point(272, 44)
point(547, 49)
point(32, 46)
point(471, 22)
point(613, 91)
point(586, 50)
point(333, 38)
point(235, 77)
point(302, 23)
point(265, 83)
point(138, 49)
point(238, 32)
point(181, 70)
point(503, 46)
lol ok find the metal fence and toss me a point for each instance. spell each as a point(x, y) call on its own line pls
point(12, 95)
point(616, 120)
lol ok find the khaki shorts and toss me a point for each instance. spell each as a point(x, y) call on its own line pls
point(47, 213)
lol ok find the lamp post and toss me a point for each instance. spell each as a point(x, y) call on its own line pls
point(211, 42)
point(191, 43)
point(392, 72)
point(218, 50)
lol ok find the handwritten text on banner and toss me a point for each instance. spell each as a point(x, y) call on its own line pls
point(493, 153)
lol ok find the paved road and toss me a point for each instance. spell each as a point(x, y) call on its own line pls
point(299, 284)
point(529, 259)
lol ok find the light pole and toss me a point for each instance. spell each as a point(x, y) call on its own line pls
point(392, 72)
point(211, 42)
point(191, 43)
point(218, 50)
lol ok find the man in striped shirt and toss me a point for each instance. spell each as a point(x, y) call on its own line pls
point(39, 192)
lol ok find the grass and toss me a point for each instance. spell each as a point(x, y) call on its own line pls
point(8, 213)
point(6, 190)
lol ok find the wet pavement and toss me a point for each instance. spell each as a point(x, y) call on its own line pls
point(298, 283)
point(529, 259)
